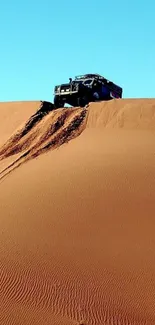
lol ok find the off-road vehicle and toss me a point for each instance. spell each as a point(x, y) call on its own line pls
point(84, 89)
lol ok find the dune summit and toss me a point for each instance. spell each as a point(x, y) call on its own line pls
point(77, 213)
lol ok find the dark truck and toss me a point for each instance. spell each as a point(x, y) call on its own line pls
point(84, 89)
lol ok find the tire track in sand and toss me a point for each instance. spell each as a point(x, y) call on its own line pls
point(50, 132)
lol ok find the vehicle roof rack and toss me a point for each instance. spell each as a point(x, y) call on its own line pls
point(90, 75)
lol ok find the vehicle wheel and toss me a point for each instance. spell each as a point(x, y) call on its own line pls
point(83, 101)
point(58, 102)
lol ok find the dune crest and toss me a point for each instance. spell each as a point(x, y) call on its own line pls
point(129, 114)
point(48, 129)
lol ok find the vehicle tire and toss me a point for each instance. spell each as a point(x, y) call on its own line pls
point(83, 101)
point(58, 102)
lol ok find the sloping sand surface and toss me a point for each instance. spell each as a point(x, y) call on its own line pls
point(123, 114)
point(44, 130)
point(77, 223)
point(12, 115)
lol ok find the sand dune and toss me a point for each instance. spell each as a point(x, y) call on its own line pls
point(77, 216)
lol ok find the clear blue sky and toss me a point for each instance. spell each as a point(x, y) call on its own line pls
point(44, 42)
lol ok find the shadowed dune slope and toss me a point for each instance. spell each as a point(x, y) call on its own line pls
point(77, 223)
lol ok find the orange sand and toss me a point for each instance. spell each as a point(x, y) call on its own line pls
point(77, 215)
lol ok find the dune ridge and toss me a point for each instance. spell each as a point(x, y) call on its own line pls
point(129, 114)
point(47, 129)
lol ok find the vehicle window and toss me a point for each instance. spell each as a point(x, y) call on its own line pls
point(88, 82)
